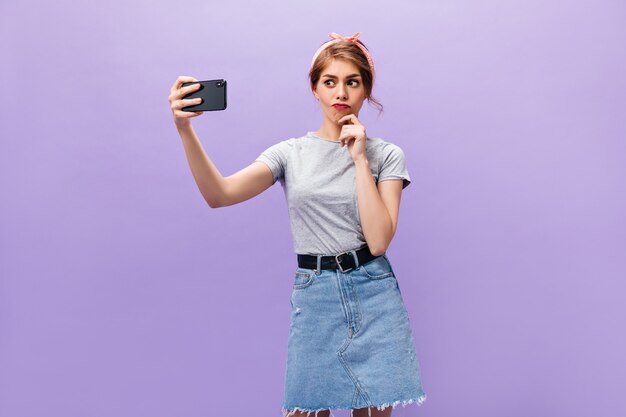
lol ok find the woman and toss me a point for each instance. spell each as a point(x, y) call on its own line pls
point(350, 343)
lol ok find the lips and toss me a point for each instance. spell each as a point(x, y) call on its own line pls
point(341, 106)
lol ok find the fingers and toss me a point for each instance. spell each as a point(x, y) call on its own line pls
point(345, 138)
point(351, 132)
point(350, 118)
point(178, 92)
point(181, 92)
point(180, 80)
point(186, 114)
point(177, 102)
point(346, 141)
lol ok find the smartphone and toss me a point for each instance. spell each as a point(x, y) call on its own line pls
point(212, 93)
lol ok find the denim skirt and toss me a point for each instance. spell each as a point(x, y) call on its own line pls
point(350, 343)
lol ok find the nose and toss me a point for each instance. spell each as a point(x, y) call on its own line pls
point(342, 93)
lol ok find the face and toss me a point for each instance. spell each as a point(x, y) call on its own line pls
point(340, 83)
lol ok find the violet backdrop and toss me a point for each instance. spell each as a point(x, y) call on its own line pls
point(122, 294)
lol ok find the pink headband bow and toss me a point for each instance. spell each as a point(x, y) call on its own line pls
point(338, 38)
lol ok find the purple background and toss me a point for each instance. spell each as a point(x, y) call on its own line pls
point(123, 294)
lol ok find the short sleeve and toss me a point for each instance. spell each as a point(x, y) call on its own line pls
point(276, 158)
point(393, 165)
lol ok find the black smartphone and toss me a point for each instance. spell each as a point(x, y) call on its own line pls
point(212, 93)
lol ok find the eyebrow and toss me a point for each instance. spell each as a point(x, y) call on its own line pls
point(334, 76)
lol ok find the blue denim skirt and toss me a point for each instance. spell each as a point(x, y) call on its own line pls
point(350, 343)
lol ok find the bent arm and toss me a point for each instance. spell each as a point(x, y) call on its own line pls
point(219, 191)
point(378, 207)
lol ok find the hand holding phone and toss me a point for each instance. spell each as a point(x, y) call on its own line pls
point(183, 118)
point(212, 94)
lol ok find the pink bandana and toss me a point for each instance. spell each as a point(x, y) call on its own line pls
point(338, 38)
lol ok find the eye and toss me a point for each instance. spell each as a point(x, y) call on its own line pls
point(354, 81)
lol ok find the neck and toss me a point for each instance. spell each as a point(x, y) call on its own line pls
point(329, 130)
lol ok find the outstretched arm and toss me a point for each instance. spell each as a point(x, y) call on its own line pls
point(218, 191)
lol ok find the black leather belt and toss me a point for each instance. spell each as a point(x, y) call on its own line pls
point(344, 261)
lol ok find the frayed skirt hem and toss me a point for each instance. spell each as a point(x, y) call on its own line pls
point(287, 412)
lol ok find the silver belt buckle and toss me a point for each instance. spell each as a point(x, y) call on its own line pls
point(339, 263)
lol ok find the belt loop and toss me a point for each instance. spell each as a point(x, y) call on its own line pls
point(319, 265)
point(356, 259)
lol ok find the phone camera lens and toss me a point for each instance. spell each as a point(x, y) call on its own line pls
point(219, 84)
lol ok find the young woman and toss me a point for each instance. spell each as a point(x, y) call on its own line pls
point(350, 344)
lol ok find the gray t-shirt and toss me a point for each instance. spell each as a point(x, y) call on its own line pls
point(319, 181)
